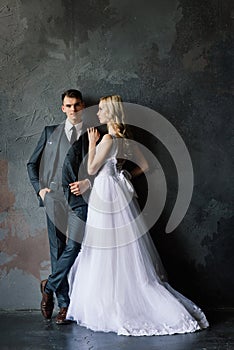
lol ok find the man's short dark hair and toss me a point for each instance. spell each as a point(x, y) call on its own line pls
point(72, 93)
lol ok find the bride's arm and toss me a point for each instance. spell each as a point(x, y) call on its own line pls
point(97, 156)
point(139, 159)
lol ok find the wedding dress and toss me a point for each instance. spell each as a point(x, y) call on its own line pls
point(118, 283)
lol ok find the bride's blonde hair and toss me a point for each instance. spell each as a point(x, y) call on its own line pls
point(116, 118)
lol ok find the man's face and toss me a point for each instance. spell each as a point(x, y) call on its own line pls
point(72, 107)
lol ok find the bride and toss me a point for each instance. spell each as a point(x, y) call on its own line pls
point(118, 283)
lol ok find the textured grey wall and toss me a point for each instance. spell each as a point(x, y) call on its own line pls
point(172, 56)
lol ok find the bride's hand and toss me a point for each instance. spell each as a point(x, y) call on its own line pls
point(93, 135)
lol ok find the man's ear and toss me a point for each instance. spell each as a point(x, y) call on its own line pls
point(62, 108)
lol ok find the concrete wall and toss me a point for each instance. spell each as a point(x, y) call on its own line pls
point(172, 56)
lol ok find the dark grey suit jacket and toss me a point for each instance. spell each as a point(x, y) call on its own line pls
point(41, 164)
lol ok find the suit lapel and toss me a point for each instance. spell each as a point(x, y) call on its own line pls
point(54, 142)
point(84, 140)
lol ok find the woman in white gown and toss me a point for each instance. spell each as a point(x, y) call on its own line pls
point(117, 283)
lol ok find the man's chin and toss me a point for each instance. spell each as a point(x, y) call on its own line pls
point(75, 120)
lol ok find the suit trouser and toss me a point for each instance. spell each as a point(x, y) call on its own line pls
point(65, 231)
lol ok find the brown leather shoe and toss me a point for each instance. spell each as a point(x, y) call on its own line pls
point(47, 302)
point(61, 317)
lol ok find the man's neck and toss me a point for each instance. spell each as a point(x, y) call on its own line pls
point(74, 123)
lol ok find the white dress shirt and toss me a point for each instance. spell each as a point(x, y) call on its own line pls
point(68, 129)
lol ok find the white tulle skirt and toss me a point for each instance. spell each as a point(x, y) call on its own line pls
point(117, 283)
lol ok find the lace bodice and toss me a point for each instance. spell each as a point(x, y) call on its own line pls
point(110, 166)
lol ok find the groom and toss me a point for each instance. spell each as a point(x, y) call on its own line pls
point(54, 165)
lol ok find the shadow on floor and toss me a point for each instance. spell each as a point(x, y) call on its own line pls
point(27, 330)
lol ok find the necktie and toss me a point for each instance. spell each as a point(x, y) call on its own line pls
point(73, 135)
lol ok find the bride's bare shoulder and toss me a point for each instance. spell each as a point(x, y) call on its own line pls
point(107, 137)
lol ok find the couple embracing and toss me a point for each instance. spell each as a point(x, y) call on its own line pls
point(105, 270)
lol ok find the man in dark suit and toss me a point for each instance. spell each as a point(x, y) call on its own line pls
point(57, 172)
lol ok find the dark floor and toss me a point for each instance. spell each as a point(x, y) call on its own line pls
point(28, 330)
